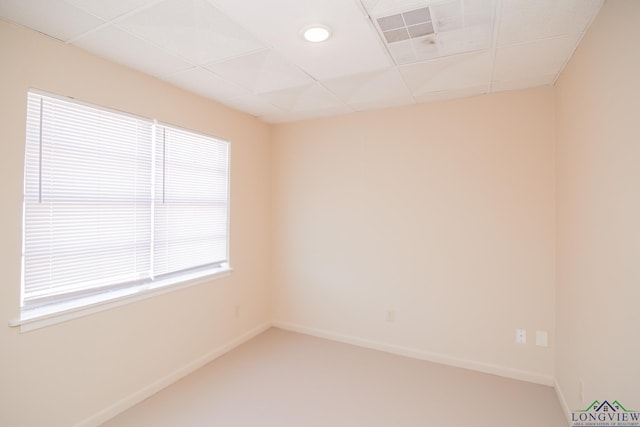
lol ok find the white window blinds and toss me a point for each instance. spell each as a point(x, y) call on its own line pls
point(113, 200)
point(191, 201)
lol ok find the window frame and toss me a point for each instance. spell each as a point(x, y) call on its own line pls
point(112, 296)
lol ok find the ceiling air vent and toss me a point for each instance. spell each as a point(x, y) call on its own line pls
point(407, 25)
point(434, 29)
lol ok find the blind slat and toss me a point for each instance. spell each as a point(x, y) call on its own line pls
point(190, 220)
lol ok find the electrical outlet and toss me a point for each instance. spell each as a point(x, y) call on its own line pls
point(391, 316)
point(237, 311)
point(581, 391)
point(521, 336)
point(542, 339)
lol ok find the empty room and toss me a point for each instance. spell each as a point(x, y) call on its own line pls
point(320, 213)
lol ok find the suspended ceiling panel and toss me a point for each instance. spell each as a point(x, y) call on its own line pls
point(207, 83)
point(353, 48)
point(115, 44)
point(261, 71)
point(375, 89)
point(192, 29)
point(56, 18)
point(525, 20)
point(250, 54)
point(448, 73)
point(429, 30)
point(109, 9)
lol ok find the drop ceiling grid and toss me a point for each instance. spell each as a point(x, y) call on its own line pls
point(447, 95)
point(529, 34)
point(526, 20)
point(249, 54)
point(208, 84)
point(274, 96)
point(125, 22)
point(352, 49)
point(355, 90)
point(255, 106)
point(261, 71)
point(112, 9)
point(36, 14)
point(189, 73)
point(192, 28)
point(456, 72)
point(371, 87)
point(463, 18)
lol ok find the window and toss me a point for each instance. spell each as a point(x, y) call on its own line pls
point(116, 204)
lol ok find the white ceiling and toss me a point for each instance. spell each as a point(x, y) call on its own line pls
point(250, 55)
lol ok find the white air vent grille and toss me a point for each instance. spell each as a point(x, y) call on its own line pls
point(434, 30)
point(407, 25)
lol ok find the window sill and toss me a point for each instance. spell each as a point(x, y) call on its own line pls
point(58, 313)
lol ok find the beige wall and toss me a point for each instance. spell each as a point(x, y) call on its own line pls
point(598, 168)
point(60, 375)
point(444, 213)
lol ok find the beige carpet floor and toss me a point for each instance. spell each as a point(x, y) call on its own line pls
point(284, 379)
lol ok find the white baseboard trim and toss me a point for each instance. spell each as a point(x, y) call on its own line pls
point(563, 402)
point(444, 359)
point(146, 392)
point(137, 397)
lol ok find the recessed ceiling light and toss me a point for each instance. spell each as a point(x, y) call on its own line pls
point(316, 33)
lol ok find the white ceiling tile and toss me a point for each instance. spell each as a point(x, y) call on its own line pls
point(446, 95)
point(193, 29)
point(255, 105)
point(424, 48)
point(206, 83)
point(250, 53)
point(354, 46)
point(260, 72)
point(317, 98)
point(388, 7)
point(372, 87)
point(304, 115)
point(467, 39)
point(109, 9)
point(404, 52)
point(55, 18)
point(455, 15)
point(540, 80)
point(526, 20)
point(119, 46)
point(288, 98)
point(382, 103)
point(529, 60)
point(460, 26)
point(305, 98)
point(452, 72)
